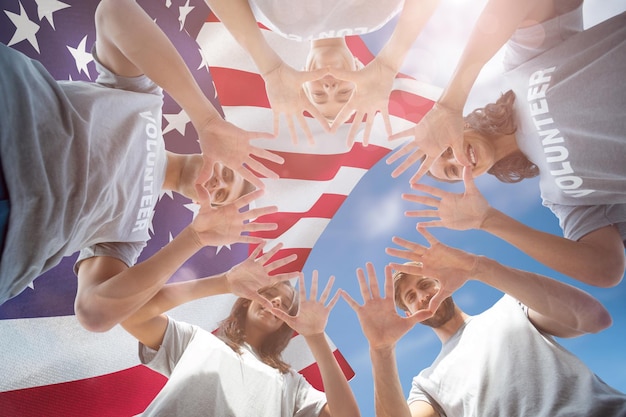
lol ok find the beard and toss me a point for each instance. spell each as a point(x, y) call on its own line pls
point(443, 314)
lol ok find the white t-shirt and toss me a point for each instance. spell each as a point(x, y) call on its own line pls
point(207, 378)
point(498, 364)
point(309, 20)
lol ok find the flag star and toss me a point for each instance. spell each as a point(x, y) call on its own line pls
point(193, 207)
point(168, 3)
point(25, 29)
point(183, 11)
point(45, 9)
point(168, 193)
point(170, 237)
point(176, 121)
point(81, 56)
point(219, 248)
point(203, 62)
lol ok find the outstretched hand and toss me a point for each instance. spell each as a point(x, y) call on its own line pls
point(225, 142)
point(455, 211)
point(248, 277)
point(284, 90)
point(223, 225)
point(371, 95)
point(313, 313)
point(451, 267)
point(440, 129)
point(381, 324)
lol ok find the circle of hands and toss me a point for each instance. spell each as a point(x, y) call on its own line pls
point(440, 129)
point(373, 84)
point(253, 274)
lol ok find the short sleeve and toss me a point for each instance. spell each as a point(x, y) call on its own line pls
point(140, 84)
point(177, 337)
point(127, 252)
point(577, 221)
point(308, 401)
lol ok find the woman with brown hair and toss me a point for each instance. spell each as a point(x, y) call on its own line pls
point(240, 371)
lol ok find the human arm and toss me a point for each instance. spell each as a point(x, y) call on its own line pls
point(595, 259)
point(129, 43)
point(283, 83)
point(442, 126)
point(310, 322)
point(148, 324)
point(109, 290)
point(383, 327)
point(556, 308)
point(375, 81)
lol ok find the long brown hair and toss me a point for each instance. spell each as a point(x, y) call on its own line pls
point(496, 120)
point(231, 332)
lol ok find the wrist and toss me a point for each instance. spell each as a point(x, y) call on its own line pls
point(192, 236)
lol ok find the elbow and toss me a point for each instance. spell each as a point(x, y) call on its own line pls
point(599, 319)
point(93, 317)
point(610, 274)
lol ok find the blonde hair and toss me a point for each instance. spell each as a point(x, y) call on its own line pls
point(397, 277)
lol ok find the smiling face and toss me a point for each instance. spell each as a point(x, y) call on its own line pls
point(330, 94)
point(414, 292)
point(225, 185)
point(282, 296)
point(480, 151)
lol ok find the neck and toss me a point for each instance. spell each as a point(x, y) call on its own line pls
point(254, 337)
point(181, 173)
point(326, 42)
point(449, 328)
point(505, 146)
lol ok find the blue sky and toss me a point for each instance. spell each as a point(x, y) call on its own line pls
point(373, 213)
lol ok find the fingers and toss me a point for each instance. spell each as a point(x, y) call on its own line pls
point(245, 200)
point(421, 213)
point(388, 281)
point(327, 289)
point(408, 269)
point(279, 263)
point(365, 292)
point(428, 189)
point(285, 276)
point(351, 302)
point(358, 118)
point(206, 172)
point(305, 128)
point(267, 255)
point(373, 281)
point(262, 170)
point(403, 134)
point(468, 180)
point(259, 135)
point(425, 200)
point(302, 285)
point(259, 227)
point(404, 254)
point(386, 119)
point(459, 153)
point(333, 301)
point(368, 129)
point(415, 247)
point(313, 292)
point(423, 169)
point(429, 237)
point(292, 130)
point(250, 177)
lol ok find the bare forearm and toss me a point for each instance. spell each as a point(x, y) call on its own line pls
point(238, 18)
point(564, 304)
point(494, 27)
point(411, 21)
point(106, 299)
point(125, 24)
point(579, 260)
point(388, 396)
point(340, 398)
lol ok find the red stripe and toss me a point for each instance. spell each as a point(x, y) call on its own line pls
point(239, 88)
point(118, 394)
point(324, 167)
point(409, 106)
point(325, 207)
point(297, 265)
point(314, 377)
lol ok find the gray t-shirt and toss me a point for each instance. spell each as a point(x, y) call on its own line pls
point(570, 101)
point(84, 164)
point(499, 364)
point(305, 20)
point(207, 378)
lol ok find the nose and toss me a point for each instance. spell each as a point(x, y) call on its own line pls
point(216, 181)
point(276, 302)
point(330, 84)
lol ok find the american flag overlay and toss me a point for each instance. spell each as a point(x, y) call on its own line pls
point(50, 365)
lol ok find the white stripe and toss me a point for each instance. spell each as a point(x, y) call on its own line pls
point(303, 234)
point(57, 349)
point(221, 49)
